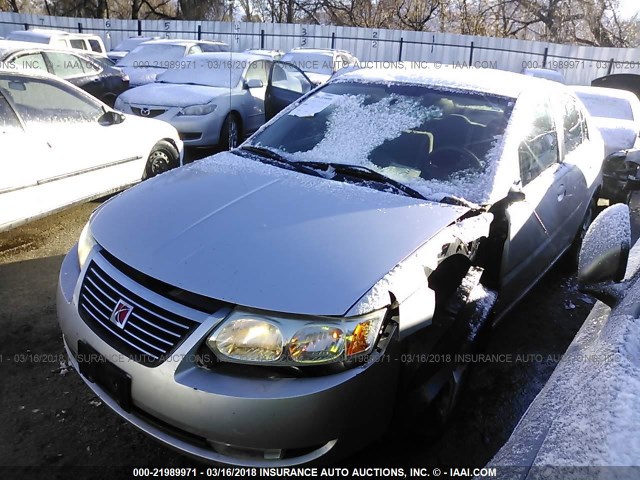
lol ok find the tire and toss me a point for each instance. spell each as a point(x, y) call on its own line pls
point(162, 158)
point(231, 132)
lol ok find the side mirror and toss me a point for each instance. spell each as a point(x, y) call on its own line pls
point(253, 83)
point(605, 252)
point(515, 194)
point(111, 117)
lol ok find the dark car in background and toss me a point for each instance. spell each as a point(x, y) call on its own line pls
point(93, 76)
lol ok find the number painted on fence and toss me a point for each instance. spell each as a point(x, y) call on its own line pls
point(41, 21)
point(303, 40)
point(167, 29)
point(374, 40)
point(107, 24)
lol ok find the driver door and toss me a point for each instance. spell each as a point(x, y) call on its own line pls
point(536, 234)
point(286, 84)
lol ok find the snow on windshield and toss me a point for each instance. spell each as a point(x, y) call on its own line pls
point(209, 72)
point(151, 55)
point(440, 143)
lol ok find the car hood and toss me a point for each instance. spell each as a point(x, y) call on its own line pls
point(617, 134)
point(172, 94)
point(251, 234)
point(141, 75)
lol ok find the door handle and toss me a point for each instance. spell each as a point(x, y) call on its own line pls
point(562, 191)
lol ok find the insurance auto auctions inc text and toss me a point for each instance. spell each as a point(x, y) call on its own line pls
point(362, 472)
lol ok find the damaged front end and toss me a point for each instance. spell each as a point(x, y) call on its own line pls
point(621, 175)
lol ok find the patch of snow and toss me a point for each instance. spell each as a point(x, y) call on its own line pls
point(569, 305)
point(612, 228)
point(95, 403)
point(314, 104)
point(617, 134)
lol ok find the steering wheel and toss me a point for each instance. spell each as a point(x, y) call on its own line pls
point(444, 161)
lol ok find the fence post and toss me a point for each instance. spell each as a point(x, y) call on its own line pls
point(139, 28)
point(262, 38)
point(400, 52)
point(610, 69)
point(199, 32)
point(26, 26)
point(471, 54)
point(79, 27)
point(544, 58)
point(333, 40)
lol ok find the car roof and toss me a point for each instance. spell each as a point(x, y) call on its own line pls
point(49, 33)
point(484, 80)
point(317, 50)
point(180, 41)
point(226, 56)
point(7, 47)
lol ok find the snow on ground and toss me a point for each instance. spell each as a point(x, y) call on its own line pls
point(587, 414)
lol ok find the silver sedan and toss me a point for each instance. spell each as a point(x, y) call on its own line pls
point(210, 98)
point(297, 291)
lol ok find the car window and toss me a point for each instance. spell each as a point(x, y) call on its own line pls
point(95, 45)
point(574, 125)
point(8, 118)
point(38, 101)
point(79, 44)
point(59, 42)
point(539, 149)
point(258, 70)
point(30, 61)
point(288, 77)
point(66, 65)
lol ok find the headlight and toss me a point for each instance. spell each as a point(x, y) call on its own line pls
point(85, 244)
point(263, 338)
point(119, 104)
point(198, 109)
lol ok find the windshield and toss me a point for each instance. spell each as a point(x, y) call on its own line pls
point(129, 44)
point(212, 72)
point(438, 142)
point(152, 55)
point(311, 62)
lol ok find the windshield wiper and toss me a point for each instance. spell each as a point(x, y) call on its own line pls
point(274, 158)
point(365, 173)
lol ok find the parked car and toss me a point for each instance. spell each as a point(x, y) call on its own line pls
point(585, 420)
point(272, 54)
point(149, 59)
point(61, 39)
point(319, 64)
point(62, 146)
point(616, 113)
point(306, 275)
point(546, 73)
point(622, 81)
point(91, 74)
point(216, 98)
point(125, 46)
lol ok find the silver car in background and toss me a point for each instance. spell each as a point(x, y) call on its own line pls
point(297, 291)
point(149, 59)
point(210, 98)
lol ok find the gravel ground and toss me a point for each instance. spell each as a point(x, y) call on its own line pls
point(49, 418)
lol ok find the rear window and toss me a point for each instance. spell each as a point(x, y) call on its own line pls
point(95, 45)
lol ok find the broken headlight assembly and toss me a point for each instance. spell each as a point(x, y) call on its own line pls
point(261, 338)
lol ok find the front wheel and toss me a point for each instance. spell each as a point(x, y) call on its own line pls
point(230, 133)
point(163, 157)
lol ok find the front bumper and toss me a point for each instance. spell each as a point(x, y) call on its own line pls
point(229, 418)
point(195, 130)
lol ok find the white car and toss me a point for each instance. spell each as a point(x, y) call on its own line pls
point(149, 59)
point(124, 47)
point(58, 38)
point(61, 146)
point(319, 64)
point(616, 113)
point(545, 73)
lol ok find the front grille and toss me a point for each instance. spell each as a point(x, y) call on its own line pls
point(148, 112)
point(150, 333)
